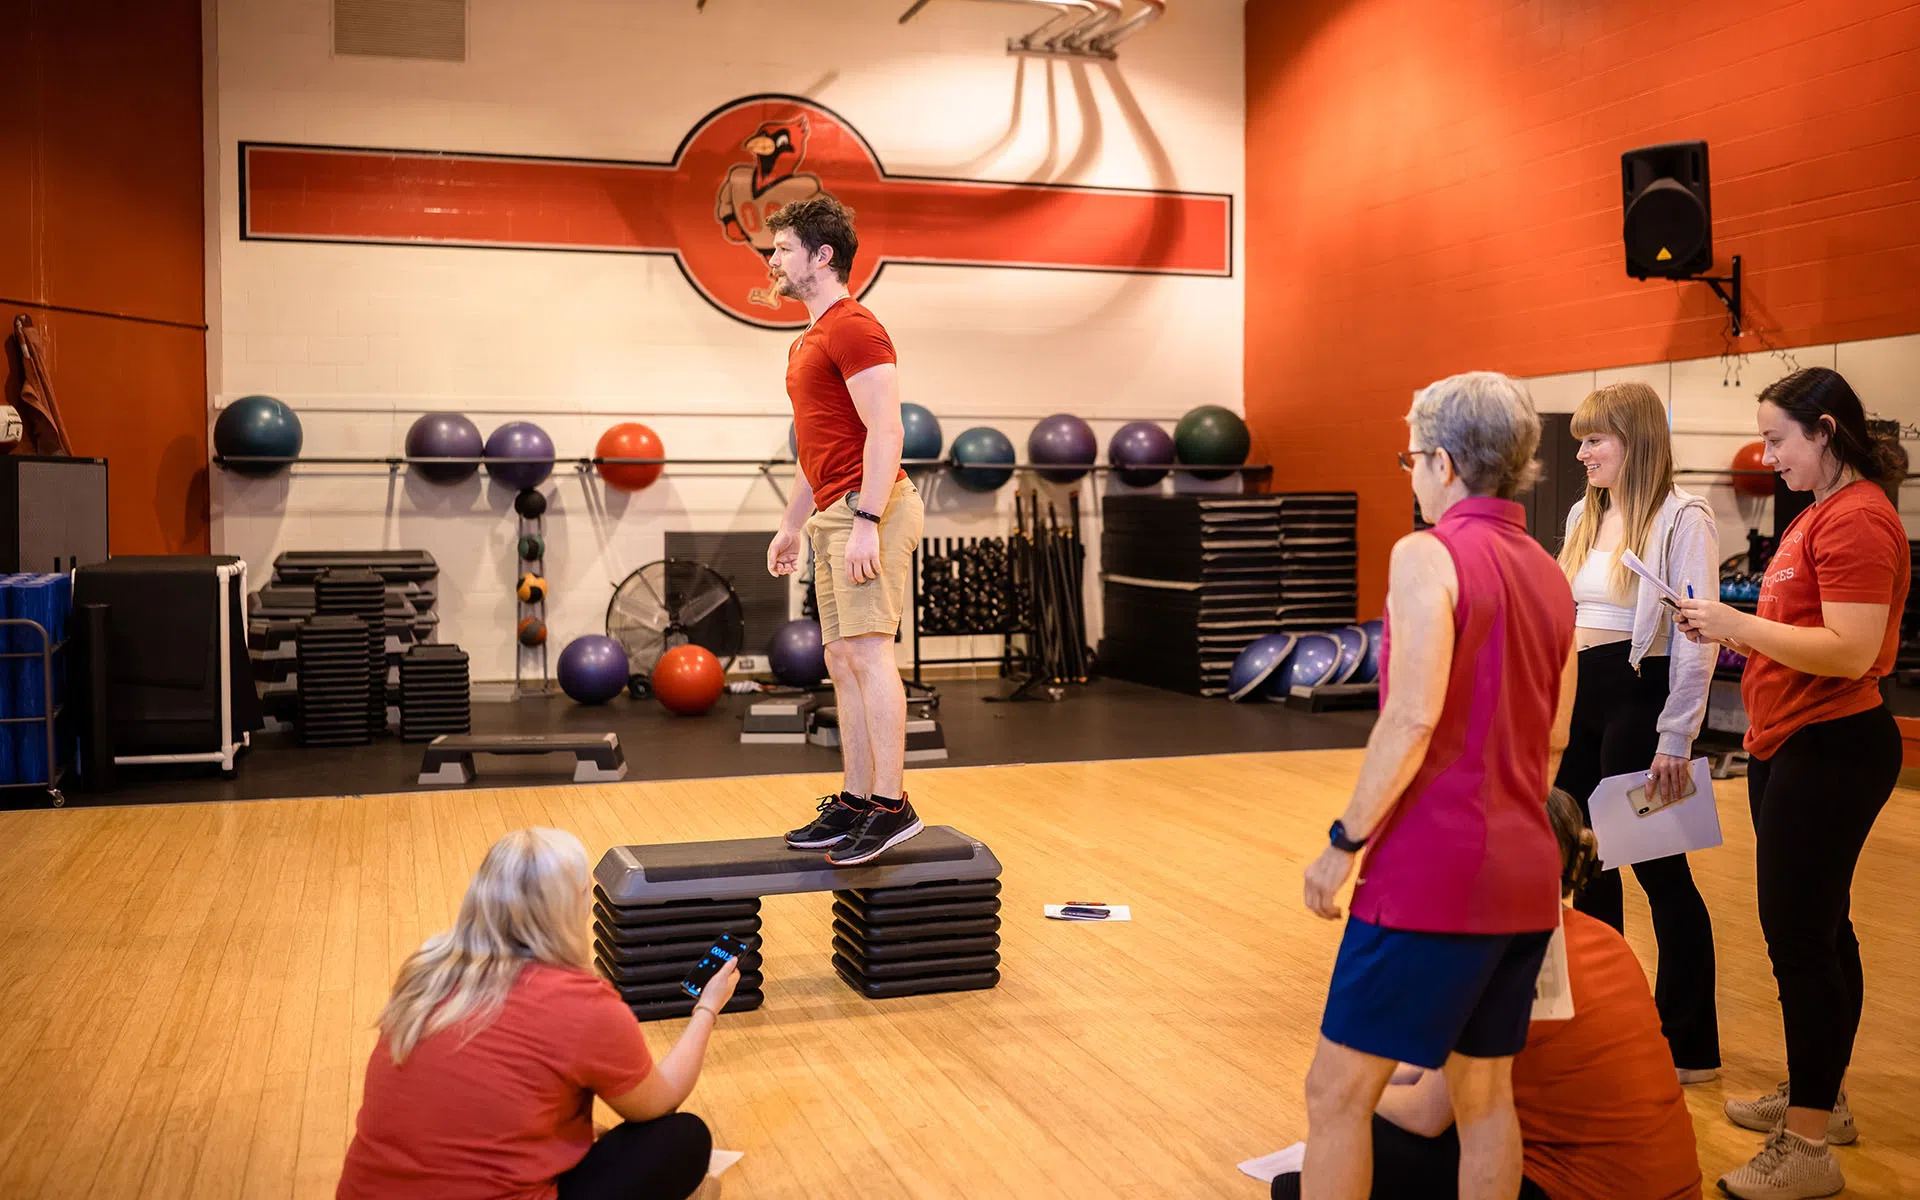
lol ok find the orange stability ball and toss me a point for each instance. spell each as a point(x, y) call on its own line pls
point(1749, 458)
point(688, 679)
point(629, 439)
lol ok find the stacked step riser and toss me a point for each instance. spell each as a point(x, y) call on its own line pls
point(918, 940)
point(645, 951)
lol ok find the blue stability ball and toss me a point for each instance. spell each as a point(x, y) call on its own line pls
point(445, 435)
point(922, 429)
point(793, 440)
point(525, 455)
point(1353, 649)
point(593, 669)
point(975, 453)
point(1064, 439)
point(796, 655)
point(1369, 669)
point(1140, 442)
point(1315, 658)
point(1256, 664)
point(257, 426)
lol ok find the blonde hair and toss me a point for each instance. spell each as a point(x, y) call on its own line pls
point(1634, 413)
point(527, 903)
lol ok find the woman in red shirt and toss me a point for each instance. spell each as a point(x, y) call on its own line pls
point(496, 1040)
point(1825, 752)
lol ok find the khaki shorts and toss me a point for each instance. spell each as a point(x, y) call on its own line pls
point(849, 609)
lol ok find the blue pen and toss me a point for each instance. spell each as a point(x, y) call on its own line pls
point(1689, 591)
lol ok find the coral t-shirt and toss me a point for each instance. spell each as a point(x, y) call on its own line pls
point(846, 340)
point(1849, 549)
point(500, 1115)
point(1601, 1112)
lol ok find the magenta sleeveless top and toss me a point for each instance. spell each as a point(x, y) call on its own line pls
point(1468, 848)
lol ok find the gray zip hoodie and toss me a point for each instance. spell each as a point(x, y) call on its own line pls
point(1681, 549)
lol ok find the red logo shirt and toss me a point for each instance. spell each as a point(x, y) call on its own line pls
point(1850, 549)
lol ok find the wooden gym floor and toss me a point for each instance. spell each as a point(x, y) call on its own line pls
point(187, 991)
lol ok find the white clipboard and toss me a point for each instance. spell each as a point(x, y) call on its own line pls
point(1627, 837)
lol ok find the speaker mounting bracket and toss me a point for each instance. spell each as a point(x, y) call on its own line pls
point(1729, 294)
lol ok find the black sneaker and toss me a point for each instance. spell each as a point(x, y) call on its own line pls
point(879, 829)
point(837, 818)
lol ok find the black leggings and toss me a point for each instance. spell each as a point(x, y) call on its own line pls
point(1407, 1166)
point(663, 1159)
point(1614, 716)
point(1813, 803)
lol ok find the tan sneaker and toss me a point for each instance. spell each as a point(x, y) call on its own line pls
point(1789, 1168)
point(1764, 1114)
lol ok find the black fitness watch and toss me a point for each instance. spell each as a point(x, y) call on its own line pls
point(853, 502)
point(1338, 836)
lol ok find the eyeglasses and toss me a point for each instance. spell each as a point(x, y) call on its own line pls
point(1406, 457)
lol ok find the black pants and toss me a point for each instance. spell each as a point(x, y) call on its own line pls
point(664, 1159)
point(1614, 717)
point(1407, 1166)
point(1813, 803)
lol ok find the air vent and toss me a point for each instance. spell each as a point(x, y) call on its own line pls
point(429, 29)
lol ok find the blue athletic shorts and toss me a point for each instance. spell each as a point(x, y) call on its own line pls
point(1419, 997)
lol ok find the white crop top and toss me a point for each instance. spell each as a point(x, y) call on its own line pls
point(1593, 596)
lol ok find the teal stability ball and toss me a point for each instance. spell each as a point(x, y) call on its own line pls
point(257, 426)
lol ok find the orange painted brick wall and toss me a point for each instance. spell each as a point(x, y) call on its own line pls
point(1434, 186)
point(102, 243)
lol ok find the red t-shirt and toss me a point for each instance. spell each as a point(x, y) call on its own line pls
point(1601, 1113)
point(846, 340)
point(1849, 549)
point(500, 1115)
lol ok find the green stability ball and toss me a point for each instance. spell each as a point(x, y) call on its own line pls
point(257, 426)
point(532, 547)
point(1211, 436)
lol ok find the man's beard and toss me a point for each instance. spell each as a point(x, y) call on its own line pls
point(786, 285)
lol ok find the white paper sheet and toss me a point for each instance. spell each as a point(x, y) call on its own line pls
point(720, 1160)
point(1626, 837)
point(1631, 562)
point(1280, 1162)
point(1553, 990)
point(1116, 912)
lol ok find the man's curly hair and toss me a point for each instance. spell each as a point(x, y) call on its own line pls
point(821, 221)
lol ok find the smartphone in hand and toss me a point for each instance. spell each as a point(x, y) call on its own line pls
point(723, 951)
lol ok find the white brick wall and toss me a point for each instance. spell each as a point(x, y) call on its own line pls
point(362, 339)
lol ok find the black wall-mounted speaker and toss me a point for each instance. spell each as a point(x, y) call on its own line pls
point(1669, 223)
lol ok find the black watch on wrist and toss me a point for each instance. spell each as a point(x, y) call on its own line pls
point(864, 515)
point(1338, 836)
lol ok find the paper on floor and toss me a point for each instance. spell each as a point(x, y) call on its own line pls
point(720, 1160)
point(1280, 1162)
point(1115, 912)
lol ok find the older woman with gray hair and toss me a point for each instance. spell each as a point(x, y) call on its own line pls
point(1451, 918)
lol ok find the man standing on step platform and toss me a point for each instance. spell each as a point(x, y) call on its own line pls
point(861, 515)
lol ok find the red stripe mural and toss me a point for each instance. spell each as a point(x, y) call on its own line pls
point(708, 207)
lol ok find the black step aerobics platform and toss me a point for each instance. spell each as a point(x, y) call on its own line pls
point(922, 918)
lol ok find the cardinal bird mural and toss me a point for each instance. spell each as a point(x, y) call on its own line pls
point(761, 153)
point(753, 190)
